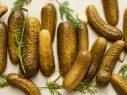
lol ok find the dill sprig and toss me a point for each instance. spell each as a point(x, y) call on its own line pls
point(20, 42)
point(87, 88)
point(53, 87)
point(18, 4)
point(3, 81)
point(65, 11)
point(123, 71)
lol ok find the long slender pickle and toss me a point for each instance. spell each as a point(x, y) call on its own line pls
point(66, 44)
point(82, 38)
point(3, 10)
point(125, 29)
point(31, 49)
point(108, 63)
point(103, 29)
point(47, 64)
point(78, 70)
point(111, 11)
point(119, 84)
point(97, 51)
point(48, 19)
point(20, 82)
point(3, 46)
point(15, 23)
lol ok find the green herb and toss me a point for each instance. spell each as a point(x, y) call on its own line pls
point(3, 81)
point(53, 87)
point(123, 71)
point(67, 12)
point(87, 88)
point(18, 4)
point(20, 43)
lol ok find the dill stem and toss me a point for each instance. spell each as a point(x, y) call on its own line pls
point(57, 78)
point(58, 2)
point(21, 45)
point(20, 58)
point(23, 30)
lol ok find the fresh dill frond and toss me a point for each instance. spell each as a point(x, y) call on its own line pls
point(85, 88)
point(18, 4)
point(53, 87)
point(21, 43)
point(66, 12)
point(123, 71)
point(3, 81)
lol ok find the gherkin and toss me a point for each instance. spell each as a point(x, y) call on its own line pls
point(22, 83)
point(119, 84)
point(78, 70)
point(47, 63)
point(66, 44)
point(31, 48)
point(102, 28)
point(49, 19)
point(97, 51)
point(108, 63)
point(15, 24)
point(3, 46)
point(111, 11)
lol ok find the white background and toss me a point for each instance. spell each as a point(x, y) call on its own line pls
point(79, 6)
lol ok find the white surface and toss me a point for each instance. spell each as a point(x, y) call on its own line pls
point(79, 6)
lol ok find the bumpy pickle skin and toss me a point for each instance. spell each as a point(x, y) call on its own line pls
point(125, 29)
point(78, 70)
point(100, 27)
point(97, 51)
point(15, 23)
point(22, 83)
point(108, 63)
point(3, 46)
point(111, 11)
point(82, 38)
point(66, 44)
point(31, 48)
